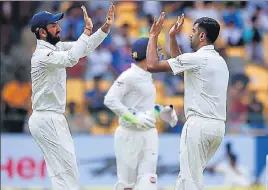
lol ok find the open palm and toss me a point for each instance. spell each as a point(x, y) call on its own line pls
point(176, 28)
point(88, 21)
point(110, 14)
point(157, 25)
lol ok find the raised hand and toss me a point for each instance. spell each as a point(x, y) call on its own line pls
point(175, 29)
point(88, 21)
point(157, 25)
point(110, 14)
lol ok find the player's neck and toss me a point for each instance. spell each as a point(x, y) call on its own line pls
point(142, 64)
point(202, 45)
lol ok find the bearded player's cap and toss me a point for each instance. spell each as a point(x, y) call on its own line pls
point(41, 19)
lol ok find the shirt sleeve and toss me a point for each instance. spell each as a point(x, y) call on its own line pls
point(84, 45)
point(184, 62)
point(93, 42)
point(62, 59)
point(113, 99)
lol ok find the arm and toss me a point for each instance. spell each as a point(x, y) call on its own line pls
point(97, 38)
point(62, 59)
point(186, 61)
point(115, 95)
point(153, 64)
point(102, 33)
point(94, 41)
point(175, 29)
point(174, 48)
point(113, 100)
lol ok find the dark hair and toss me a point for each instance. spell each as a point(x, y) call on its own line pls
point(258, 8)
point(254, 19)
point(233, 157)
point(150, 19)
point(210, 26)
point(37, 34)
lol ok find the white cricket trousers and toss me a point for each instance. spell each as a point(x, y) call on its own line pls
point(136, 154)
point(200, 139)
point(51, 132)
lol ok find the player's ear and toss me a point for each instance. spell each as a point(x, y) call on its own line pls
point(43, 33)
point(202, 36)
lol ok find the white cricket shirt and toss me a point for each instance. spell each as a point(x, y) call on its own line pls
point(133, 90)
point(48, 72)
point(205, 82)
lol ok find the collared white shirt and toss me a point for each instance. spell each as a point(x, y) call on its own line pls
point(48, 72)
point(205, 82)
point(133, 90)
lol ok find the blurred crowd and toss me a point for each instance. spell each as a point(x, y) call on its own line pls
point(243, 42)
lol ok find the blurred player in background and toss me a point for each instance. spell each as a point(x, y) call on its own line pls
point(132, 99)
point(47, 123)
point(234, 175)
point(206, 79)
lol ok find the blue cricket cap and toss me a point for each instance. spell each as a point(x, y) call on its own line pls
point(41, 19)
point(139, 49)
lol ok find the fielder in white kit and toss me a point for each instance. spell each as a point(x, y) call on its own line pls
point(206, 79)
point(132, 99)
point(47, 123)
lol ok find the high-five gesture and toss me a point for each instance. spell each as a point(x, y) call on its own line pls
point(109, 19)
point(88, 21)
point(175, 29)
point(157, 25)
point(110, 14)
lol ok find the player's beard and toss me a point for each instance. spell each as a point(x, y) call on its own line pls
point(52, 39)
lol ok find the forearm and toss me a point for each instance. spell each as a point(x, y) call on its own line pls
point(106, 28)
point(94, 41)
point(152, 58)
point(153, 64)
point(115, 105)
point(71, 57)
point(174, 48)
point(88, 31)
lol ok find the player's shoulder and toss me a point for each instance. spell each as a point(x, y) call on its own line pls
point(126, 76)
point(40, 54)
point(190, 56)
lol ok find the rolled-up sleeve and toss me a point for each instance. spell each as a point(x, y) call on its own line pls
point(113, 99)
point(184, 62)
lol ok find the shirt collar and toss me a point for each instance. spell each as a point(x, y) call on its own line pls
point(207, 47)
point(140, 70)
point(46, 44)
